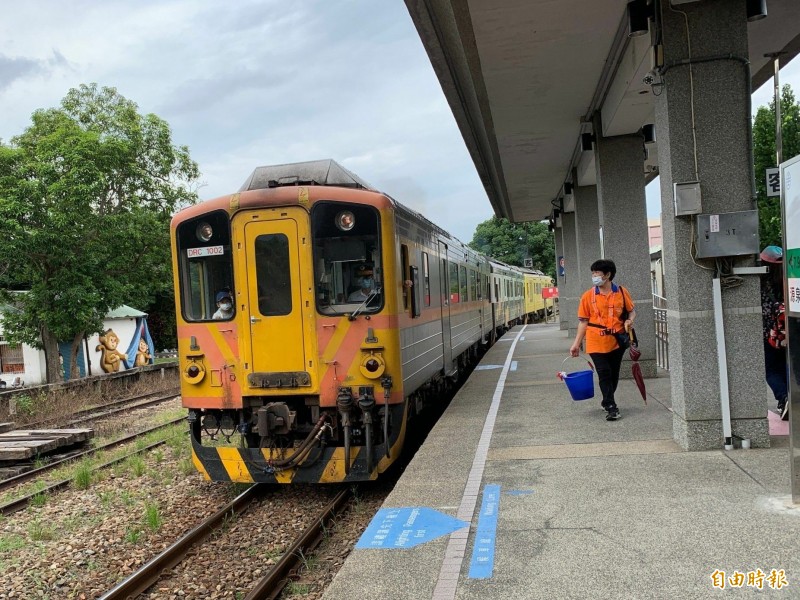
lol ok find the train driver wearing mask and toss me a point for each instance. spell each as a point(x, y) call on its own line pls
point(224, 306)
point(365, 281)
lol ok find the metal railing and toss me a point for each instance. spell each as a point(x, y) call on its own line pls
point(662, 334)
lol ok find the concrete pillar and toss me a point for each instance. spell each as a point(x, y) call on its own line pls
point(721, 162)
point(570, 293)
point(560, 283)
point(623, 217)
point(588, 216)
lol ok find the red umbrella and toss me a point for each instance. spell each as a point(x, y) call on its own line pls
point(636, 369)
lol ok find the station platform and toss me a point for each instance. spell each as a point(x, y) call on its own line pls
point(521, 492)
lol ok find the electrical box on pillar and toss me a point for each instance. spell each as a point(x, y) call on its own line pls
point(727, 234)
point(687, 198)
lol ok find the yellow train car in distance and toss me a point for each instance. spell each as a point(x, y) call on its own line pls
point(536, 308)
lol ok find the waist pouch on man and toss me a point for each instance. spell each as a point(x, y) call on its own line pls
point(622, 337)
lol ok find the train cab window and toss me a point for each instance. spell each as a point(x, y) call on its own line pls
point(426, 280)
point(348, 271)
point(453, 270)
point(205, 266)
point(463, 284)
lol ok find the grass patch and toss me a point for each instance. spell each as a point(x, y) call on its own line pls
point(39, 499)
point(152, 517)
point(9, 543)
point(39, 532)
point(298, 589)
point(83, 476)
point(133, 535)
point(186, 466)
point(136, 465)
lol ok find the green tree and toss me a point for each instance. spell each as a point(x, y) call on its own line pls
point(769, 209)
point(513, 242)
point(86, 195)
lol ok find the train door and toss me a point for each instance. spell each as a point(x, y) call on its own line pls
point(444, 289)
point(274, 279)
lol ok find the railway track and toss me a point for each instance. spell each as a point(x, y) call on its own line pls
point(22, 502)
point(271, 585)
point(107, 410)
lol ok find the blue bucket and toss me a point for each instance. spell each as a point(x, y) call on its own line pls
point(580, 383)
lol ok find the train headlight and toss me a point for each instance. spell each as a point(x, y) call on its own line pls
point(372, 366)
point(194, 372)
point(204, 232)
point(345, 220)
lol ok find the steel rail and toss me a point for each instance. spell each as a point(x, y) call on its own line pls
point(99, 412)
point(151, 571)
point(272, 584)
point(20, 503)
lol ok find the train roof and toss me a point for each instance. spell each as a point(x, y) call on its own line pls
point(314, 172)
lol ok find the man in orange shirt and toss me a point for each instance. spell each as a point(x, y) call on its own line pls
point(605, 309)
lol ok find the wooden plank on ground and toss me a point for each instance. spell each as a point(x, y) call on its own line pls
point(24, 444)
point(6, 427)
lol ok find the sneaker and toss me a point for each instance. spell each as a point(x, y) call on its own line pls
point(613, 414)
point(785, 411)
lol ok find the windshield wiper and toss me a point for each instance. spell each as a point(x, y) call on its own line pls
point(363, 305)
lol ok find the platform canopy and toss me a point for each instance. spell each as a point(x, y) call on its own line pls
point(524, 78)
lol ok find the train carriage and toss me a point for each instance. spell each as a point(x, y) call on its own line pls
point(536, 307)
point(508, 305)
point(350, 311)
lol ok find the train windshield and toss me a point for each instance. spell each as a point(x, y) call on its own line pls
point(206, 268)
point(347, 258)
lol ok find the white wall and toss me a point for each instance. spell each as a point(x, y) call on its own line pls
point(35, 367)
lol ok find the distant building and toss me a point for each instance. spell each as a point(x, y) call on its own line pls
point(656, 257)
point(654, 233)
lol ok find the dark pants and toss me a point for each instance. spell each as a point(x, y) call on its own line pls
point(607, 365)
point(777, 371)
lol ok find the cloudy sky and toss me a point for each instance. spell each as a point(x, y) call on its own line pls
point(257, 82)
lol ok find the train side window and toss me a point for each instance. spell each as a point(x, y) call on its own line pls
point(405, 276)
point(414, 292)
point(463, 284)
point(473, 285)
point(426, 279)
point(454, 299)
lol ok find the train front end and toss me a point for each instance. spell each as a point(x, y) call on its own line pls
point(287, 334)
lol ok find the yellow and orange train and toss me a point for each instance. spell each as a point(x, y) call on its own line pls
point(350, 312)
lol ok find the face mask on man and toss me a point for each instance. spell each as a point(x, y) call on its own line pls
point(225, 305)
point(367, 283)
point(597, 280)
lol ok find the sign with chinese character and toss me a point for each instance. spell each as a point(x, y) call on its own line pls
point(550, 292)
point(773, 182)
point(482, 564)
point(407, 527)
point(791, 258)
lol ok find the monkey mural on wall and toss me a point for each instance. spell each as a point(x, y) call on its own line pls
point(111, 358)
point(143, 356)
